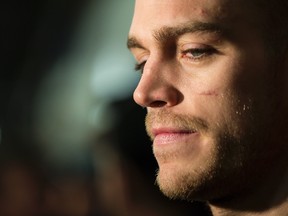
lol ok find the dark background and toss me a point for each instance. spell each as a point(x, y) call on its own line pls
point(64, 165)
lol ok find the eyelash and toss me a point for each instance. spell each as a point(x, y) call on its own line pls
point(204, 52)
point(140, 66)
point(200, 52)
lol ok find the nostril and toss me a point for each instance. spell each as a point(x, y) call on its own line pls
point(158, 104)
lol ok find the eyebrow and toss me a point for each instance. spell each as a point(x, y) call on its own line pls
point(167, 33)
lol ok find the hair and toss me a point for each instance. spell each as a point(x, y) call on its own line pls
point(275, 25)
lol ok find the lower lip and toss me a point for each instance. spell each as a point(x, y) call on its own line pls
point(173, 138)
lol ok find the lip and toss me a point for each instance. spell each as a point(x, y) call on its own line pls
point(165, 136)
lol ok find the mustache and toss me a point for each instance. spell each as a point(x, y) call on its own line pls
point(181, 122)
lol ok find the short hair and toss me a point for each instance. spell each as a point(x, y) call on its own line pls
point(275, 25)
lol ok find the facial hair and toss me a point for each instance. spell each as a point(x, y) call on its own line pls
point(227, 158)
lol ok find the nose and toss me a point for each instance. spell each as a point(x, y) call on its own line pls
point(156, 89)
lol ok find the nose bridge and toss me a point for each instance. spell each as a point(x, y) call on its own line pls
point(156, 87)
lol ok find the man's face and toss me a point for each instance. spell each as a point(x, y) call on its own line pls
point(208, 89)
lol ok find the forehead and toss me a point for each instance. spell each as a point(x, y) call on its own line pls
point(153, 14)
point(179, 9)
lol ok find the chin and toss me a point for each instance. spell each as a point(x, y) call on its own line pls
point(185, 183)
point(206, 177)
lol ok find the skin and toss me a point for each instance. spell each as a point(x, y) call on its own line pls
point(216, 112)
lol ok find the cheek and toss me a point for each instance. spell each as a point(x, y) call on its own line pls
point(216, 105)
point(207, 84)
point(201, 88)
point(204, 98)
point(209, 93)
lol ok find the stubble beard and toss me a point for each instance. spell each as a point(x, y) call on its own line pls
point(223, 168)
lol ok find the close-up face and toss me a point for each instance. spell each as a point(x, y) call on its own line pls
point(207, 85)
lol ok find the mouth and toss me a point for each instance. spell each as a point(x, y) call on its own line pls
point(164, 136)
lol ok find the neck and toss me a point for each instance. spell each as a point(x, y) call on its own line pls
point(268, 196)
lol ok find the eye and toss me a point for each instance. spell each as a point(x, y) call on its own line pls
point(140, 66)
point(197, 54)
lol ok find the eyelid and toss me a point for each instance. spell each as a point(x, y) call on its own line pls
point(139, 66)
point(140, 61)
point(190, 46)
point(196, 53)
point(141, 56)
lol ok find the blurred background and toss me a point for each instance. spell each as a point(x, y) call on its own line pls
point(72, 141)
